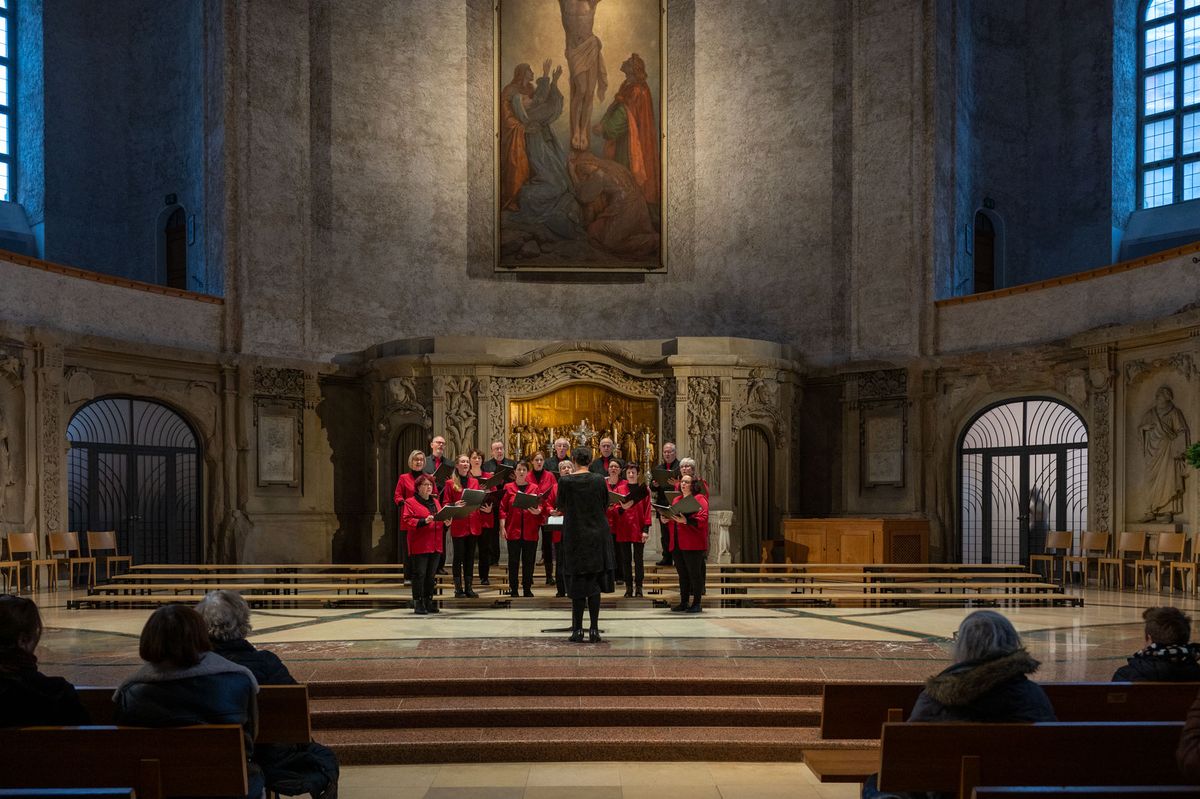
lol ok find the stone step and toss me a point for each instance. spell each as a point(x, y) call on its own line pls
point(566, 744)
point(345, 713)
point(569, 686)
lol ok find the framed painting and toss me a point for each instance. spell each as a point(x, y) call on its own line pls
point(580, 135)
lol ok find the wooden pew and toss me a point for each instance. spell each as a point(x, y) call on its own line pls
point(67, 793)
point(1079, 791)
point(858, 710)
point(283, 715)
point(176, 761)
point(957, 758)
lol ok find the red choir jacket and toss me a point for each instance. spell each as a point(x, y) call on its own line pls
point(406, 487)
point(613, 512)
point(692, 536)
point(487, 520)
point(423, 539)
point(520, 524)
point(471, 525)
point(633, 521)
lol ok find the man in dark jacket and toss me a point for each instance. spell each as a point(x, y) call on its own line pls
point(288, 768)
point(28, 697)
point(1167, 656)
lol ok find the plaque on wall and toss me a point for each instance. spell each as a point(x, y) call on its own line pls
point(882, 440)
point(278, 446)
point(580, 139)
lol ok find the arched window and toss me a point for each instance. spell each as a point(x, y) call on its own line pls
point(134, 467)
point(1169, 104)
point(8, 127)
point(1022, 468)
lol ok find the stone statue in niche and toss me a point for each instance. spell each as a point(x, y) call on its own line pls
point(1164, 436)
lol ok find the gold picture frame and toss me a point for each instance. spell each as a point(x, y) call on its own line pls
point(589, 244)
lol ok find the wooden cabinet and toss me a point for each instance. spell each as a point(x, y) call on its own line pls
point(856, 540)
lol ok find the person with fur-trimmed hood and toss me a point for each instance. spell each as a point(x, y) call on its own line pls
point(988, 681)
point(1167, 656)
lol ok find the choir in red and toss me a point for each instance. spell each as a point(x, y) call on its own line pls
point(523, 521)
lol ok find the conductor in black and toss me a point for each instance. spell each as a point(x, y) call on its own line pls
point(588, 559)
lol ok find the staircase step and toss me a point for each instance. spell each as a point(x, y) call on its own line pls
point(565, 711)
point(576, 686)
point(564, 744)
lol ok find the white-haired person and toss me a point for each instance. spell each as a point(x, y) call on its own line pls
point(289, 769)
point(699, 486)
point(988, 682)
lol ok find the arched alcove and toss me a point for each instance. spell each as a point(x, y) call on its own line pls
point(1023, 466)
point(135, 466)
point(753, 490)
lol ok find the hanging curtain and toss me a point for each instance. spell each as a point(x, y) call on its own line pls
point(752, 491)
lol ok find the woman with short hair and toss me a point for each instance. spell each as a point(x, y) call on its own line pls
point(183, 683)
point(424, 536)
point(520, 527)
point(689, 545)
point(465, 531)
point(28, 697)
point(688, 466)
point(406, 488)
point(633, 529)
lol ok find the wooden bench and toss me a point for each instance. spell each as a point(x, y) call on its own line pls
point(283, 712)
point(176, 761)
point(1091, 791)
point(859, 710)
point(68, 793)
point(957, 758)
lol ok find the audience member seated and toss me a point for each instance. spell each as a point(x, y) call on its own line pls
point(184, 682)
point(1167, 657)
point(28, 697)
point(987, 683)
point(290, 769)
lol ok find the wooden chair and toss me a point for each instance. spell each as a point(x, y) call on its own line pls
point(1167, 547)
point(1058, 545)
point(1130, 547)
point(64, 547)
point(103, 541)
point(1093, 547)
point(1186, 568)
point(25, 544)
point(11, 570)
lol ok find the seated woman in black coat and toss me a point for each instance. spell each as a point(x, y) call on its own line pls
point(987, 683)
point(28, 697)
point(1167, 656)
point(184, 683)
point(290, 769)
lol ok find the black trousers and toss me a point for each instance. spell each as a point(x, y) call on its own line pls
point(464, 560)
point(521, 553)
point(632, 558)
point(619, 573)
point(664, 538)
point(560, 581)
point(483, 549)
point(402, 554)
point(689, 564)
point(441, 565)
point(424, 573)
point(548, 552)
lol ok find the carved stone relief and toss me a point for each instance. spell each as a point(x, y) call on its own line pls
point(275, 382)
point(8, 474)
point(1163, 434)
point(1181, 362)
point(52, 438)
point(704, 432)
point(80, 386)
point(668, 411)
point(1099, 385)
point(460, 414)
point(759, 403)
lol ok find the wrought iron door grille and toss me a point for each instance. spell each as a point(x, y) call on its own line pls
point(1022, 469)
point(133, 467)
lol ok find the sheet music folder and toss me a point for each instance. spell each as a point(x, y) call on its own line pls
point(526, 501)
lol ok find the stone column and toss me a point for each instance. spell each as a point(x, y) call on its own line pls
point(1101, 403)
point(51, 441)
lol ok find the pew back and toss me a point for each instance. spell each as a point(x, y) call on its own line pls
point(177, 761)
point(858, 710)
point(283, 716)
point(956, 758)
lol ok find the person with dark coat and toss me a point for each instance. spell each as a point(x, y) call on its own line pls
point(600, 465)
point(184, 683)
point(311, 768)
point(560, 454)
point(434, 461)
point(588, 559)
point(29, 698)
point(988, 682)
point(1167, 656)
point(669, 464)
point(491, 539)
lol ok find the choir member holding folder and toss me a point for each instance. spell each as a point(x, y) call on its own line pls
point(689, 543)
point(488, 521)
point(406, 487)
point(616, 488)
point(545, 482)
point(424, 535)
point(494, 466)
point(633, 528)
point(520, 517)
point(664, 478)
point(465, 530)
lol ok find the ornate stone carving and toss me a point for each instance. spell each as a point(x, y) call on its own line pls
point(585, 370)
point(1164, 436)
point(668, 411)
point(1181, 362)
point(275, 382)
point(704, 431)
point(601, 348)
point(8, 476)
point(497, 392)
point(883, 384)
point(460, 414)
point(52, 450)
point(12, 368)
point(761, 405)
point(1099, 384)
point(80, 386)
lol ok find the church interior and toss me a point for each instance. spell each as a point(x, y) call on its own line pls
point(919, 303)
